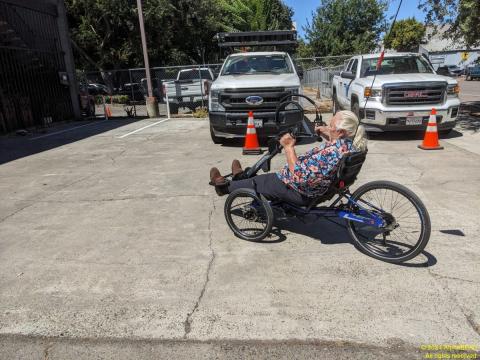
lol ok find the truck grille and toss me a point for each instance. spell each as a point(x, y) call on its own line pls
point(234, 99)
point(412, 94)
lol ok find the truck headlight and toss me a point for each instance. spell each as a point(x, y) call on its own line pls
point(292, 90)
point(372, 92)
point(214, 101)
point(453, 90)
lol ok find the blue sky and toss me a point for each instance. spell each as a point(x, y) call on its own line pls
point(303, 10)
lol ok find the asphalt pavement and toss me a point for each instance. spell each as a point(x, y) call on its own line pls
point(113, 246)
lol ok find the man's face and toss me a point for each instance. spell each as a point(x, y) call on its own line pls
point(333, 127)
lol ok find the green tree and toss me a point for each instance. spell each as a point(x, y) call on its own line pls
point(463, 17)
point(255, 15)
point(105, 33)
point(342, 27)
point(406, 35)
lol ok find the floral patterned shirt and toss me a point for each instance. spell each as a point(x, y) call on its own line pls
point(314, 170)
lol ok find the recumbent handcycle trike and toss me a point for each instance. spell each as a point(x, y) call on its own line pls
point(384, 219)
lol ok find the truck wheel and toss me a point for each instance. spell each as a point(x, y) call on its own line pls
point(468, 78)
point(356, 109)
point(215, 139)
point(173, 108)
point(335, 104)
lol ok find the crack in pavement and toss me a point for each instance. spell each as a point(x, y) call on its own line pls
point(469, 318)
point(187, 324)
point(40, 198)
point(46, 352)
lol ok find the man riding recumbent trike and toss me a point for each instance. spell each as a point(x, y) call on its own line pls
point(384, 219)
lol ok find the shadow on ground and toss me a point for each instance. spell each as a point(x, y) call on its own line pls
point(15, 146)
point(332, 232)
point(469, 118)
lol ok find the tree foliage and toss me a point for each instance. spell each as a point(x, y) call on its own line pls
point(178, 31)
point(406, 35)
point(342, 27)
point(463, 17)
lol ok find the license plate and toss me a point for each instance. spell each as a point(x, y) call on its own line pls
point(414, 120)
point(258, 123)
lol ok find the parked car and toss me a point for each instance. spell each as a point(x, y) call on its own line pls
point(255, 81)
point(473, 72)
point(449, 70)
point(405, 90)
point(86, 100)
point(134, 91)
point(189, 90)
point(98, 89)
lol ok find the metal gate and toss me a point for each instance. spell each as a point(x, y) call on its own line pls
point(31, 66)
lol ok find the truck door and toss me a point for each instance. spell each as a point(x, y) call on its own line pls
point(347, 84)
point(341, 89)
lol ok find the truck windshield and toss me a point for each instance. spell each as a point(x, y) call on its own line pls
point(257, 64)
point(194, 74)
point(395, 65)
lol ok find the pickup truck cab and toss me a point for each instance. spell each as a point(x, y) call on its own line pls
point(189, 90)
point(473, 72)
point(405, 90)
point(254, 81)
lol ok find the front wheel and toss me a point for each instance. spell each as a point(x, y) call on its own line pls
point(248, 215)
point(407, 223)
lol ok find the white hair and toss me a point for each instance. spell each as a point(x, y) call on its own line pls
point(349, 122)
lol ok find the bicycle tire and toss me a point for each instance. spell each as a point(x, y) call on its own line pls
point(265, 206)
point(422, 212)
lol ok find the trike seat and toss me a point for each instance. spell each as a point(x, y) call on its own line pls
point(347, 171)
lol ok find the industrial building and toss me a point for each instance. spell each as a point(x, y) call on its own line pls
point(37, 76)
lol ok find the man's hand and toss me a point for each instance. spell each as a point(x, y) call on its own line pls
point(323, 131)
point(287, 141)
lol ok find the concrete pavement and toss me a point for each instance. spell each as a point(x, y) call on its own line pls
point(112, 244)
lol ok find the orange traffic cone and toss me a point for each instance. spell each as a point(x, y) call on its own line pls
point(430, 141)
point(251, 146)
point(108, 112)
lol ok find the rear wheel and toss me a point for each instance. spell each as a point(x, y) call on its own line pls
point(248, 215)
point(407, 229)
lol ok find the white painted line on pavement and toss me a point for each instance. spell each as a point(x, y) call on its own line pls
point(142, 128)
point(476, 95)
point(64, 131)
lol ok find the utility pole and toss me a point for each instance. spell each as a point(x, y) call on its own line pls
point(152, 104)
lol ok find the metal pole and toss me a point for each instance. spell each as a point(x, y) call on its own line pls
point(144, 47)
point(152, 105)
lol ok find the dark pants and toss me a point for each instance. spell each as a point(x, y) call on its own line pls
point(270, 186)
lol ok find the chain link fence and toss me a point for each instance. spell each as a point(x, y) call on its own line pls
point(182, 90)
point(318, 73)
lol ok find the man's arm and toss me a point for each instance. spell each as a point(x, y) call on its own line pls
point(288, 143)
point(291, 157)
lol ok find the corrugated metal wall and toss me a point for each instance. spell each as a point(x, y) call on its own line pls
point(31, 59)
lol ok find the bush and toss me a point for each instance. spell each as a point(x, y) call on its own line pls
point(200, 112)
point(115, 99)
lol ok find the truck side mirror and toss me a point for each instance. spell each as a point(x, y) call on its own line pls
point(347, 75)
point(300, 72)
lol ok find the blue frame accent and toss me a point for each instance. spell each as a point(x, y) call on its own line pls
point(362, 216)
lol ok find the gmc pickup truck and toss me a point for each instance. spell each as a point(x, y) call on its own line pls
point(405, 90)
point(254, 81)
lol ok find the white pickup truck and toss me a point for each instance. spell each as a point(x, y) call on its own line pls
point(405, 90)
point(255, 81)
point(189, 90)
